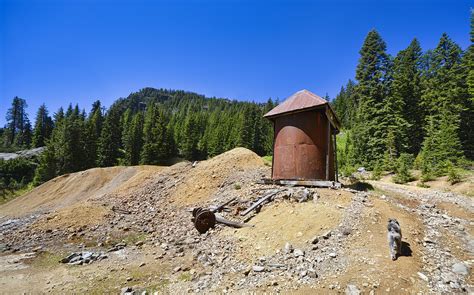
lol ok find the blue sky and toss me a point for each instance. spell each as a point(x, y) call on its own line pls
point(59, 52)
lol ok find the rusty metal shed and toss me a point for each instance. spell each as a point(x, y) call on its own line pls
point(304, 145)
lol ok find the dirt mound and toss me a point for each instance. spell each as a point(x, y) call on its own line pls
point(203, 181)
point(289, 222)
point(70, 189)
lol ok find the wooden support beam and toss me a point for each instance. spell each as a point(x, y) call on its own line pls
point(220, 219)
point(335, 158)
point(263, 199)
point(309, 183)
point(328, 149)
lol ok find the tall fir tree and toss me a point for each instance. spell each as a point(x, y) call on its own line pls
point(133, 139)
point(403, 105)
point(373, 75)
point(43, 127)
point(442, 100)
point(93, 132)
point(110, 139)
point(154, 136)
point(191, 131)
point(18, 128)
point(470, 60)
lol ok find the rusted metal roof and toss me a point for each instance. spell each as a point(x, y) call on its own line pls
point(303, 100)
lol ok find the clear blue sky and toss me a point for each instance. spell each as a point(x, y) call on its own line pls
point(59, 52)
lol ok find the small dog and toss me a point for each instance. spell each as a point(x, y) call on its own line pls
point(394, 238)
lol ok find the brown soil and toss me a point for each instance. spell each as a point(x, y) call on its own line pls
point(71, 189)
point(76, 216)
point(369, 255)
point(295, 223)
point(203, 181)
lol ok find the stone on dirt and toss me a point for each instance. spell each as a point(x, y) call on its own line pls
point(298, 252)
point(423, 276)
point(460, 268)
point(85, 257)
point(352, 290)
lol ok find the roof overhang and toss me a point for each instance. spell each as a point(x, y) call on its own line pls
point(328, 111)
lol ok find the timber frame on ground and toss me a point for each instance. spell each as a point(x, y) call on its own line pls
point(308, 183)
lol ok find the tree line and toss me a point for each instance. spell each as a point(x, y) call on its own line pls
point(417, 105)
point(416, 108)
point(151, 126)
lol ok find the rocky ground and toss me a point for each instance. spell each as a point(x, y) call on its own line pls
point(140, 237)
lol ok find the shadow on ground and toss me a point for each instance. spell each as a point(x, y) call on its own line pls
point(406, 250)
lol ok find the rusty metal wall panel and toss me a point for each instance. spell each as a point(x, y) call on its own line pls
point(300, 147)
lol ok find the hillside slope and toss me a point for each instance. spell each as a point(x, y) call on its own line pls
point(70, 189)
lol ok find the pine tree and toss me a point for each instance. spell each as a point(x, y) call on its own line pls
point(70, 145)
point(43, 127)
point(443, 101)
point(268, 129)
point(373, 75)
point(18, 128)
point(110, 139)
point(47, 166)
point(93, 129)
point(247, 127)
point(133, 140)
point(403, 105)
point(470, 60)
point(191, 132)
point(154, 134)
point(461, 90)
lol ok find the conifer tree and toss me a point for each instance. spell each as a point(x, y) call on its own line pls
point(133, 139)
point(43, 127)
point(47, 166)
point(268, 129)
point(93, 129)
point(191, 133)
point(71, 142)
point(110, 139)
point(18, 128)
point(154, 135)
point(373, 75)
point(443, 101)
point(403, 105)
point(247, 131)
point(470, 60)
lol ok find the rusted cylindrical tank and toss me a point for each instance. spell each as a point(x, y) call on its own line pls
point(302, 145)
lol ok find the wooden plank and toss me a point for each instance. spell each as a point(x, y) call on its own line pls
point(314, 183)
point(260, 202)
point(220, 219)
point(220, 207)
point(335, 158)
point(327, 150)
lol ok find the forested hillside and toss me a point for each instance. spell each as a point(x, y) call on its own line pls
point(151, 126)
point(414, 109)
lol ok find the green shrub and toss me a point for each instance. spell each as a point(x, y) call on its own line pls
point(418, 163)
point(453, 173)
point(347, 170)
point(404, 164)
point(426, 173)
point(377, 172)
